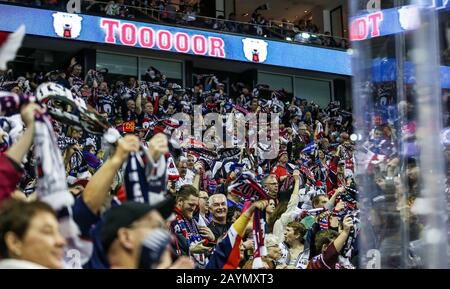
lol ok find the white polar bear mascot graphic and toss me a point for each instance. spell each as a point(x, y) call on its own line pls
point(67, 25)
point(255, 50)
point(409, 17)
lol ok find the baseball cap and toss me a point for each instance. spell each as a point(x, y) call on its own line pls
point(126, 214)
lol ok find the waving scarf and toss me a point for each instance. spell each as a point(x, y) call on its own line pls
point(50, 173)
point(228, 158)
point(52, 188)
point(259, 232)
point(246, 186)
point(136, 185)
point(146, 179)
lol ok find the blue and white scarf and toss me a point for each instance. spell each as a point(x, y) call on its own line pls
point(52, 189)
point(146, 179)
point(136, 185)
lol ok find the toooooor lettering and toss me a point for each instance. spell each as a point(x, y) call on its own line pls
point(126, 33)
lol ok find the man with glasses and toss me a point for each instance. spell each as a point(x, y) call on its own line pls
point(186, 175)
point(203, 216)
point(271, 184)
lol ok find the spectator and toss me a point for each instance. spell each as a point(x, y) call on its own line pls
point(169, 13)
point(189, 15)
point(204, 215)
point(344, 44)
point(232, 25)
point(218, 207)
point(311, 27)
point(186, 175)
point(258, 22)
point(328, 40)
point(280, 170)
point(270, 208)
point(219, 24)
point(330, 244)
point(189, 238)
point(271, 183)
point(297, 255)
point(287, 215)
point(10, 170)
point(75, 71)
point(112, 8)
point(125, 230)
point(29, 236)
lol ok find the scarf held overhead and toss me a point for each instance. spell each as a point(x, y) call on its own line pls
point(146, 179)
point(246, 186)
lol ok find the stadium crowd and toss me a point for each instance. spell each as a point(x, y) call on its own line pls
point(96, 197)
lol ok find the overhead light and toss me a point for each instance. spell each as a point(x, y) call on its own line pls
point(306, 11)
point(245, 14)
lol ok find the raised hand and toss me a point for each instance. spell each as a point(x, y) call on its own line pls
point(28, 113)
point(206, 233)
point(348, 224)
point(129, 143)
point(158, 145)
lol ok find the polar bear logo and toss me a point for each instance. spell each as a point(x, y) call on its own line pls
point(409, 17)
point(67, 25)
point(255, 50)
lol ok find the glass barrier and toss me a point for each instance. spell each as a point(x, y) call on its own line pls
point(401, 175)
